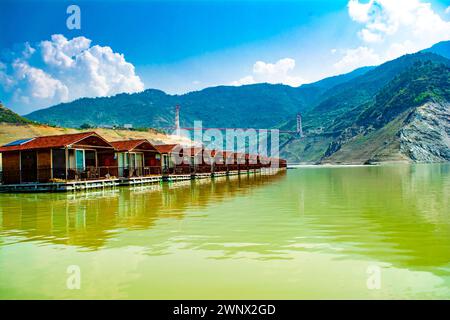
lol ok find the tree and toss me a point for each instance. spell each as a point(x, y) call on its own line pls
point(86, 126)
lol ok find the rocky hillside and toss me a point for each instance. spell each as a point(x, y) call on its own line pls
point(373, 114)
point(408, 120)
point(425, 137)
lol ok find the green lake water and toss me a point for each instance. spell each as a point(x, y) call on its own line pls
point(310, 233)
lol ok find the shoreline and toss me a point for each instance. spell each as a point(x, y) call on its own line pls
point(350, 165)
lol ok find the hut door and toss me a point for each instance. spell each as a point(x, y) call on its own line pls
point(165, 162)
point(28, 160)
point(139, 164)
point(121, 163)
point(79, 160)
point(59, 163)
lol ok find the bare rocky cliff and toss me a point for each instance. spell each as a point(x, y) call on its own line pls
point(419, 134)
point(425, 137)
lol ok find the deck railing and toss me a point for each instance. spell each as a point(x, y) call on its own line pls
point(74, 174)
point(108, 172)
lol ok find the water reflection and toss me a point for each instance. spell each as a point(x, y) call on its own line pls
point(391, 214)
point(89, 219)
point(394, 214)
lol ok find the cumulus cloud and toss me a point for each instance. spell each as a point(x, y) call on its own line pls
point(355, 58)
point(60, 70)
point(392, 28)
point(34, 84)
point(359, 11)
point(278, 72)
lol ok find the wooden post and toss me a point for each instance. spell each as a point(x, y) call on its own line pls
point(67, 161)
point(20, 166)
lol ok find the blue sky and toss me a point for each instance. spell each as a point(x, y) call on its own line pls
point(189, 45)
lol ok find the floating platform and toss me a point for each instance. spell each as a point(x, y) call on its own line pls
point(60, 186)
point(177, 177)
point(201, 176)
point(219, 174)
point(140, 180)
point(132, 181)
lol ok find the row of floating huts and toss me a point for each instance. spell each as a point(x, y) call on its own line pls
point(87, 160)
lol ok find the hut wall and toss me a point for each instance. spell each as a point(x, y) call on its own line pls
point(108, 162)
point(11, 167)
point(151, 161)
point(44, 165)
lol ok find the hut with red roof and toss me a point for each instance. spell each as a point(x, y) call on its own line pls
point(136, 158)
point(66, 157)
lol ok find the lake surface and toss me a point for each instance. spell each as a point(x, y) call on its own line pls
point(311, 233)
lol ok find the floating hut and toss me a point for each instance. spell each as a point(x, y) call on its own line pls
point(51, 158)
point(86, 160)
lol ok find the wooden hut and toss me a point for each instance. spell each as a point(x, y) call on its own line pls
point(135, 158)
point(164, 157)
point(62, 157)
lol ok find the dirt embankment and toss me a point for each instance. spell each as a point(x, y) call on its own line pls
point(10, 132)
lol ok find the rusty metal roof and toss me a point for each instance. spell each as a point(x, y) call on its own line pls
point(128, 145)
point(56, 141)
point(165, 148)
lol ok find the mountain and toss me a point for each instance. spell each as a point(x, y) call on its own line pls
point(407, 119)
point(8, 116)
point(330, 82)
point(259, 105)
point(343, 98)
point(441, 48)
point(223, 106)
point(363, 116)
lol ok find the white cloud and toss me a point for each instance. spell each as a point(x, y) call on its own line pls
point(447, 11)
point(359, 11)
point(355, 58)
point(37, 85)
point(392, 28)
point(244, 81)
point(60, 52)
point(278, 72)
point(369, 36)
point(5, 80)
point(66, 70)
point(407, 19)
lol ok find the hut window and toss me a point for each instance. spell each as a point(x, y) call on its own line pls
point(90, 158)
point(79, 159)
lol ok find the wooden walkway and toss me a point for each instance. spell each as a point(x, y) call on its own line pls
point(70, 186)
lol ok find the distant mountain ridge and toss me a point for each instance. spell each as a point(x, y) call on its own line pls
point(259, 105)
point(339, 113)
point(441, 48)
point(371, 126)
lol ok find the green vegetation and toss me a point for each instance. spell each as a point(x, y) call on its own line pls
point(7, 116)
point(86, 126)
point(424, 82)
point(258, 106)
point(336, 111)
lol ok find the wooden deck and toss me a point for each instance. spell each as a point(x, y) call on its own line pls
point(140, 180)
point(60, 186)
point(70, 186)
